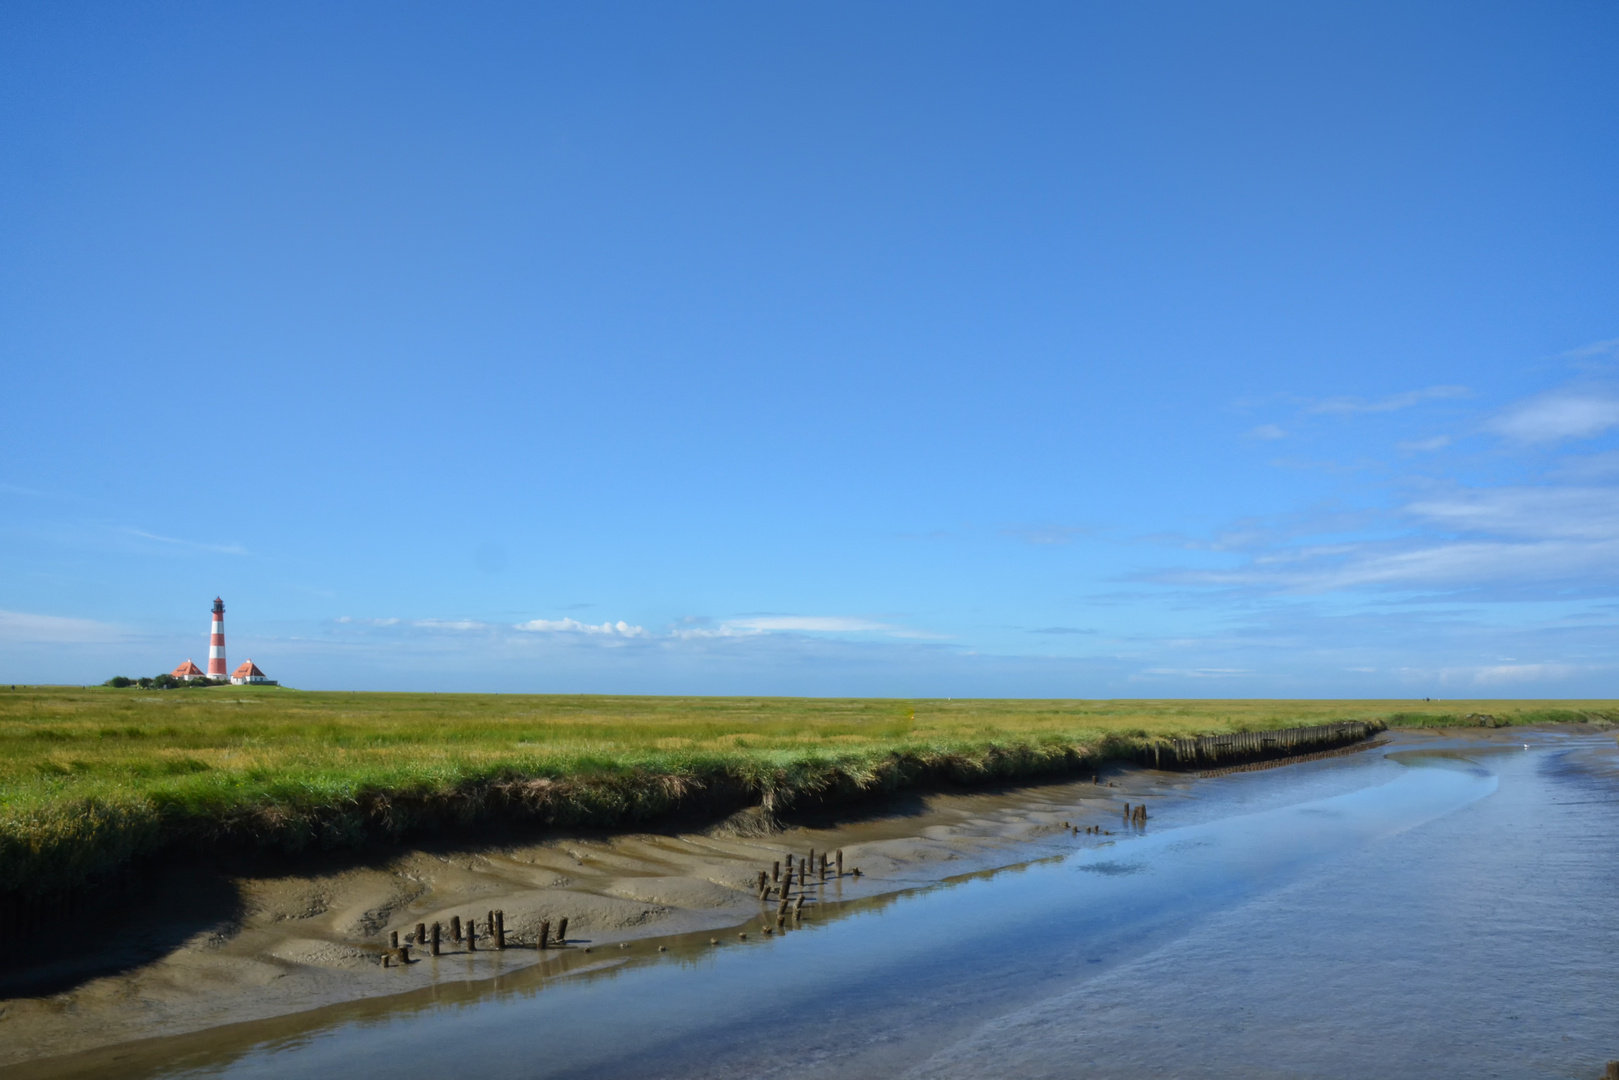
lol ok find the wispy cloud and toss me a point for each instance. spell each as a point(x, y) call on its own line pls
point(1490, 675)
point(1558, 416)
point(20, 626)
point(1428, 445)
point(1584, 513)
point(1266, 433)
point(219, 549)
point(1191, 673)
point(1553, 538)
point(1354, 406)
point(1044, 534)
point(839, 624)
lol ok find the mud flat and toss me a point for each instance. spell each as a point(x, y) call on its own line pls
point(207, 949)
point(204, 948)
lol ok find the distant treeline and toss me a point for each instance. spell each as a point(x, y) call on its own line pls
point(164, 681)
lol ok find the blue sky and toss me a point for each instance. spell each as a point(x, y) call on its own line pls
point(912, 349)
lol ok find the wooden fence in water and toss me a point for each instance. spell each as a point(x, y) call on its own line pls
point(1205, 751)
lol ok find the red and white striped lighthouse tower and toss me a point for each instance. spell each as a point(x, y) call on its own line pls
point(216, 644)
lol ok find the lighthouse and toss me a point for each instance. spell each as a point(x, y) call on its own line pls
point(216, 644)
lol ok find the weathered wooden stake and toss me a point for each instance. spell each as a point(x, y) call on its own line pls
point(823, 866)
point(500, 929)
point(798, 908)
point(421, 934)
point(775, 870)
point(489, 926)
point(455, 929)
point(840, 862)
point(393, 939)
point(387, 960)
point(472, 934)
point(435, 938)
point(545, 933)
point(562, 930)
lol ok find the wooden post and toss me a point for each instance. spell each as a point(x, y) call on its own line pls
point(500, 929)
point(435, 938)
point(811, 861)
point(489, 926)
point(393, 939)
point(387, 960)
point(775, 870)
point(472, 934)
point(562, 930)
point(455, 929)
point(823, 866)
point(798, 908)
point(545, 933)
point(840, 862)
point(421, 935)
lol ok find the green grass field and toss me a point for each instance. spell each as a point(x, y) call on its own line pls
point(91, 779)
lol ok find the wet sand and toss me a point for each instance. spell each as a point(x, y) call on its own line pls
point(238, 948)
point(290, 943)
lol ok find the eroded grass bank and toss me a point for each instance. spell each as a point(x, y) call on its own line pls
point(92, 780)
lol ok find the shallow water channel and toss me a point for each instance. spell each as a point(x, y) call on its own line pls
point(1450, 910)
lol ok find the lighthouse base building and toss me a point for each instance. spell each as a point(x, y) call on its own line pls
point(247, 673)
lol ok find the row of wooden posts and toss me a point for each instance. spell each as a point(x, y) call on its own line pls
point(781, 885)
point(431, 937)
point(1133, 815)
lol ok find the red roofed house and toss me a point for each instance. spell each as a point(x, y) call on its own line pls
point(188, 670)
point(248, 672)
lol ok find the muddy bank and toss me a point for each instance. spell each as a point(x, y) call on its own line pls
point(208, 948)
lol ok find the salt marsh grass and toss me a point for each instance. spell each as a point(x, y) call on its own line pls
point(93, 779)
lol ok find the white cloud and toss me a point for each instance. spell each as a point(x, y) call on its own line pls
point(20, 626)
point(1563, 414)
point(573, 626)
point(1351, 406)
point(1266, 432)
